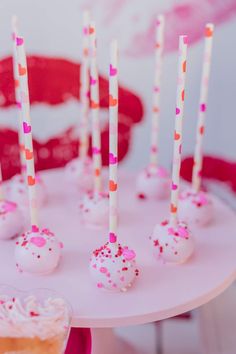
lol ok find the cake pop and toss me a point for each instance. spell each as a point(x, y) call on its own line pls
point(172, 240)
point(153, 182)
point(80, 171)
point(196, 206)
point(37, 251)
point(95, 205)
point(18, 191)
point(112, 266)
point(173, 245)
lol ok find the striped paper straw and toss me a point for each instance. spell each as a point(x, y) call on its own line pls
point(84, 89)
point(159, 43)
point(14, 25)
point(94, 105)
point(197, 167)
point(178, 129)
point(113, 139)
point(1, 187)
point(27, 129)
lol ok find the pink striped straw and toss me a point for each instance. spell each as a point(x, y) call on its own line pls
point(159, 44)
point(94, 105)
point(27, 129)
point(113, 140)
point(178, 129)
point(198, 155)
point(14, 25)
point(84, 89)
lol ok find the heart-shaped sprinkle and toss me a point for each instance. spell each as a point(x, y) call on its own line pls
point(113, 71)
point(91, 30)
point(34, 228)
point(92, 81)
point(112, 159)
point(38, 241)
point(128, 254)
point(26, 128)
point(173, 208)
point(208, 32)
point(96, 151)
point(112, 101)
point(112, 237)
point(202, 107)
point(183, 232)
point(201, 130)
point(112, 186)
point(97, 172)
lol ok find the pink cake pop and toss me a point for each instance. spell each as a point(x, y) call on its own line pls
point(154, 182)
point(112, 266)
point(95, 206)
point(80, 170)
point(172, 240)
point(196, 206)
point(36, 251)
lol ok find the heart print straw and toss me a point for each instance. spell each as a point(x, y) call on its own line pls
point(27, 130)
point(159, 43)
point(197, 167)
point(94, 105)
point(113, 140)
point(179, 111)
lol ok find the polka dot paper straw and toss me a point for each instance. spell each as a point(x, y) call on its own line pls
point(178, 129)
point(94, 105)
point(27, 129)
point(159, 42)
point(84, 89)
point(113, 139)
point(197, 167)
point(14, 24)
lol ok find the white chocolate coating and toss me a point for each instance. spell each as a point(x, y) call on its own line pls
point(113, 267)
point(37, 252)
point(172, 246)
point(196, 208)
point(95, 209)
point(18, 192)
point(153, 183)
point(80, 173)
point(11, 220)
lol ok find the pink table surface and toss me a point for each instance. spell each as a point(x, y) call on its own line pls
point(161, 291)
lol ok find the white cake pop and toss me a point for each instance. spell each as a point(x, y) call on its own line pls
point(18, 191)
point(11, 223)
point(172, 245)
point(113, 267)
point(80, 173)
point(95, 209)
point(153, 183)
point(37, 252)
point(196, 208)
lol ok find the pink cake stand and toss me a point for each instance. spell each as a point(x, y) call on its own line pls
point(161, 291)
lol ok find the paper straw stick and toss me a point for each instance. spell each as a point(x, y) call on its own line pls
point(113, 140)
point(14, 25)
point(178, 129)
point(159, 43)
point(197, 167)
point(94, 105)
point(1, 187)
point(27, 129)
point(84, 89)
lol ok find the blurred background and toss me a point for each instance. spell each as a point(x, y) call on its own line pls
point(52, 29)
